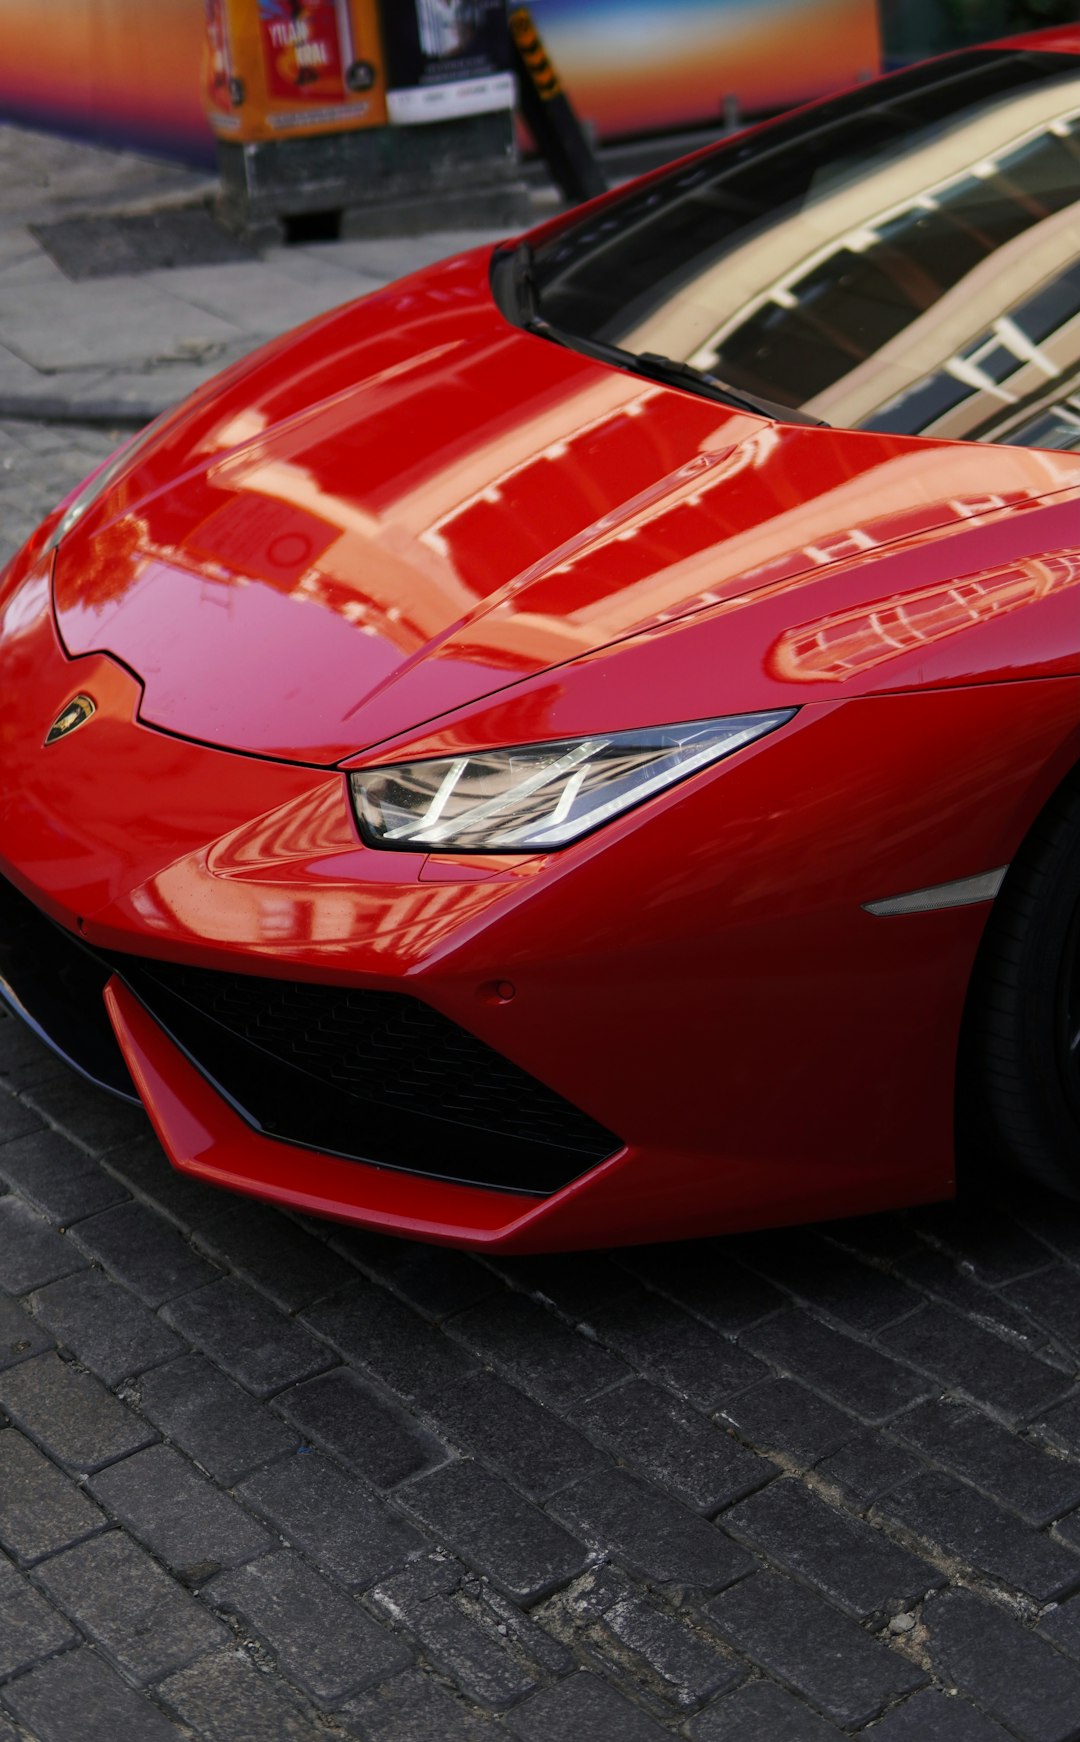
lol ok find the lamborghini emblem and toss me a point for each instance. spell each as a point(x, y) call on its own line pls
point(73, 715)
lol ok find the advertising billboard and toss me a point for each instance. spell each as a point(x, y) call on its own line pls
point(446, 58)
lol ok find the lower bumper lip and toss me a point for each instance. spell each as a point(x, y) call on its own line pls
point(203, 1136)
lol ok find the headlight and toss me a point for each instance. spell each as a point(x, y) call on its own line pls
point(99, 481)
point(538, 795)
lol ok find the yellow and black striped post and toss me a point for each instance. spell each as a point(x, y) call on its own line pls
point(549, 114)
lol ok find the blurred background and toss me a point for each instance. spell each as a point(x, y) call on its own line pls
point(171, 76)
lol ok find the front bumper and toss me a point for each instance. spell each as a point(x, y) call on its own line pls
point(695, 994)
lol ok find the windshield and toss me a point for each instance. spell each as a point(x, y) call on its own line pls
point(904, 257)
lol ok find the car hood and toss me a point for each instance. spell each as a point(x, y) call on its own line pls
point(411, 504)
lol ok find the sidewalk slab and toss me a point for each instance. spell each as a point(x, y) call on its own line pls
point(253, 296)
point(43, 175)
point(108, 323)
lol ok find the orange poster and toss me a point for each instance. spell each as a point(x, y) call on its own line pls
point(279, 68)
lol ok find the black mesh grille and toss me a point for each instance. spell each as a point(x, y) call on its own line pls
point(373, 1075)
point(55, 984)
point(370, 1076)
point(384, 1047)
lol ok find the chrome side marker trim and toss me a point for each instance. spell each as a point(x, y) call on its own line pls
point(963, 893)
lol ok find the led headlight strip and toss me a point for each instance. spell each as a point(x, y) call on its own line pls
point(539, 796)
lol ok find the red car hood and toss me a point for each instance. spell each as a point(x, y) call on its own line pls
point(412, 504)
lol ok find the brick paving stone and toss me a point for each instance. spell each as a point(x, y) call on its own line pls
point(818, 1652)
point(669, 1442)
point(77, 1695)
point(1060, 1426)
point(574, 1283)
point(189, 1524)
point(534, 1449)
point(762, 1712)
point(946, 1513)
point(783, 1417)
point(1026, 1480)
point(144, 1252)
point(1060, 1623)
point(144, 1167)
point(1052, 1299)
point(212, 1419)
point(17, 1119)
point(270, 1251)
point(247, 1336)
point(109, 1329)
point(31, 1253)
point(585, 1708)
point(20, 1336)
point(960, 1353)
point(61, 1179)
point(23, 1058)
point(91, 1118)
point(41, 1509)
point(525, 1553)
point(689, 1669)
point(421, 1599)
point(525, 1633)
point(996, 1250)
point(881, 1239)
point(142, 1620)
point(590, 1597)
point(373, 1435)
point(414, 1708)
point(937, 1275)
point(932, 1716)
point(321, 1639)
point(846, 1560)
point(30, 1629)
point(1006, 1668)
point(340, 1523)
point(707, 1278)
point(867, 1466)
point(71, 1414)
point(376, 1331)
point(434, 1279)
point(813, 1269)
point(1068, 1528)
point(700, 1363)
point(650, 1533)
point(537, 1351)
point(850, 1373)
point(224, 1698)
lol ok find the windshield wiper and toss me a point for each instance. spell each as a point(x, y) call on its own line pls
point(669, 369)
point(524, 310)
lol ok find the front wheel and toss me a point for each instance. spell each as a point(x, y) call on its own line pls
point(1024, 1035)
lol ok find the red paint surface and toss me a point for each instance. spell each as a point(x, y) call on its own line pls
point(432, 538)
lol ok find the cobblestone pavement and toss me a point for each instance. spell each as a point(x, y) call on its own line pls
point(263, 1477)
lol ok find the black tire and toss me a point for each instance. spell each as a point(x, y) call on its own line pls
point(1024, 1034)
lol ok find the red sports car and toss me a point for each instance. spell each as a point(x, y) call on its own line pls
point(583, 745)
